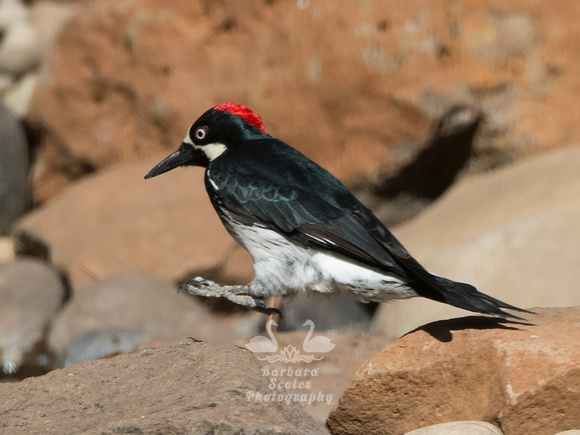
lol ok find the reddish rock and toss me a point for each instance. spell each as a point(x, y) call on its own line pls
point(349, 84)
point(513, 233)
point(523, 377)
point(116, 221)
point(186, 387)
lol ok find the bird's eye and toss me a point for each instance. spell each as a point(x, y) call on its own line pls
point(201, 133)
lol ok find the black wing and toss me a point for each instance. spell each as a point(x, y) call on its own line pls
point(302, 199)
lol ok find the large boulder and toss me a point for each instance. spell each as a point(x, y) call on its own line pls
point(187, 387)
point(523, 377)
point(345, 82)
point(513, 233)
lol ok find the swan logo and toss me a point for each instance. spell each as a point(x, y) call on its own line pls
point(290, 354)
point(288, 383)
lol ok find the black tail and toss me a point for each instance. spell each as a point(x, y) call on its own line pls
point(467, 297)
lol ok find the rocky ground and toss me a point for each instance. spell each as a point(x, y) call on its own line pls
point(456, 122)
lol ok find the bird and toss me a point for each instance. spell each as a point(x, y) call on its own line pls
point(261, 343)
point(318, 343)
point(305, 231)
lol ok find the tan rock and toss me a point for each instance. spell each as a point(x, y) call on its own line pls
point(521, 376)
point(513, 233)
point(185, 387)
point(350, 84)
point(6, 249)
point(116, 221)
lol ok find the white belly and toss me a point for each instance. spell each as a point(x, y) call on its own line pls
point(283, 268)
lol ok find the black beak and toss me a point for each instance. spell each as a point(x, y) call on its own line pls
point(186, 155)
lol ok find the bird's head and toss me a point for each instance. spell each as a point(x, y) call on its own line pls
point(210, 136)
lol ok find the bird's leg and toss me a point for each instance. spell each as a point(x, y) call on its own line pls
point(238, 294)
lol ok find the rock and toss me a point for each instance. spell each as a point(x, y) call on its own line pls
point(48, 19)
point(187, 387)
point(14, 186)
point(513, 233)
point(124, 116)
point(6, 249)
point(31, 293)
point(117, 222)
point(6, 80)
point(326, 77)
point(135, 305)
point(458, 428)
point(17, 98)
point(103, 343)
point(339, 313)
point(19, 50)
point(516, 375)
point(397, 196)
point(12, 12)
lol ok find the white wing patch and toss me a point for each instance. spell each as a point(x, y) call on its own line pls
point(215, 186)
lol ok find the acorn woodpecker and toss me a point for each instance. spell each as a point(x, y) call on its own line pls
point(303, 228)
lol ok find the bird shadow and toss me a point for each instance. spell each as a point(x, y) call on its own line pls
point(442, 330)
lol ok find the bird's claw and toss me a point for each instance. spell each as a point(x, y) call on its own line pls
point(236, 294)
point(197, 283)
point(200, 282)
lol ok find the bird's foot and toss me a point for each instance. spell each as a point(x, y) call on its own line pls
point(238, 294)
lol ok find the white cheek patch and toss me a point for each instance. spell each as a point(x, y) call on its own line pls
point(211, 150)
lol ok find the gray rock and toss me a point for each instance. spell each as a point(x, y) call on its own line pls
point(14, 185)
point(458, 428)
point(6, 81)
point(103, 343)
point(137, 302)
point(336, 313)
point(31, 293)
